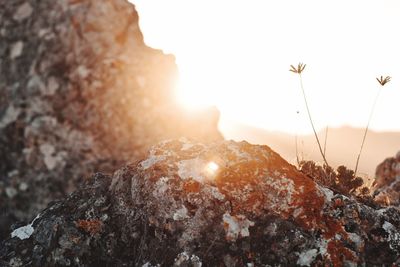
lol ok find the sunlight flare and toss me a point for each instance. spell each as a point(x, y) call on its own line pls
point(212, 168)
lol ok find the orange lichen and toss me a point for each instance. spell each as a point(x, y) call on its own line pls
point(92, 27)
point(338, 253)
point(90, 226)
point(303, 196)
point(337, 203)
point(191, 186)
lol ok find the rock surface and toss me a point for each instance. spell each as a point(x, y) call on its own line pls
point(79, 92)
point(387, 182)
point(220, 204)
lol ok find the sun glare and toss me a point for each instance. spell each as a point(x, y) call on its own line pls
point(212, 168)
point(235, 55)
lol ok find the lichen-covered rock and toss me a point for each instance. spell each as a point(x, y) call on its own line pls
point(387, 182)
point(79, 92)
point(219, 204)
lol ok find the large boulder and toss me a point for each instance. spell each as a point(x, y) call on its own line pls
point(387, 182)
point(219, 204)
point(79, 92)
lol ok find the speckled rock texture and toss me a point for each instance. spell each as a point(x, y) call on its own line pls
point(80, 92)
point(387, 182)
point(219, 204)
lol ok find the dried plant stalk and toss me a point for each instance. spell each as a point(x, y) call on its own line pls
point(382, 81)
point(300, 68)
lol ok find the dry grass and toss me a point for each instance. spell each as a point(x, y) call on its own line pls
point(298, 70)
point(382, 81)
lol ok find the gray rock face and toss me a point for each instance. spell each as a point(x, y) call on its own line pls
point(79, 92)
point(387, 182)
point(220, 204)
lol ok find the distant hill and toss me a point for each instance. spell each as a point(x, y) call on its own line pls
point(342, 146)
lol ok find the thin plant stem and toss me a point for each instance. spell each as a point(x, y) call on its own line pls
point(297, 151)
point(326, 138)
point(297, 143)
point(366, 130)
point(312, 124)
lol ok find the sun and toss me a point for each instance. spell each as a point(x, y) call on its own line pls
point(194, 94)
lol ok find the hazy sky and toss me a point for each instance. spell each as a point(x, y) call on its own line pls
point(236, 55)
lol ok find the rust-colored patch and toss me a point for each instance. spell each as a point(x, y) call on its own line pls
point(250, 255)
point(121, 37)
point(170, 227)
point(92, 27)
point(118, 64)
point(191, 186)
point(75, 22)
point(90, 226)
point(338, 253)
point(332, 227)
point(338, 203)
point(73, 2)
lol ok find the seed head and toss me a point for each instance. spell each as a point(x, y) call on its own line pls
point(299, 69)
point(382, 81)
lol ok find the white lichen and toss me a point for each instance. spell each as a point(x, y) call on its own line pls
point(161, 186)
point(52, 86)
point(148, 264)
point(26, 231)
point(186, 144)
point(181, 214)
point(23, 186)
point(10, 116)
point(297, 212)
point(307, 257)
point(195, 260)
point(278, 185)
point(23, 11)
point(11, 192)
point(184, 259)
point(150, 161)
point(181, 258)
point(322, 245)
point(51, 159)
point(23, 232)
point(327, 193)
point(16, 49)
point(215, 192)
point(192, 168)
point(83, 72)
point(356, 239)
point(236, 226)
point(233, 146)
point(394, 235)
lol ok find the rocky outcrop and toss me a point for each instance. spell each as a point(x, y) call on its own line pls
point(387, 182)
point(221, 204)
point(79, 92)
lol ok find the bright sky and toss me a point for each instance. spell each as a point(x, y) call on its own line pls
point(235, 54)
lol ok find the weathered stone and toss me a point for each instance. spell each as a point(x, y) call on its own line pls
point(387, 183)
point(16, 49)
point(23, 11)
point(79, 92)
point(219, 204)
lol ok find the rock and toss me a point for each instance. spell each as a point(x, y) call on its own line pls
point(23, 11)
point(241, 205)
point(10, 115)
point(387, 182)
point(80, 92)
point(16, 49)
